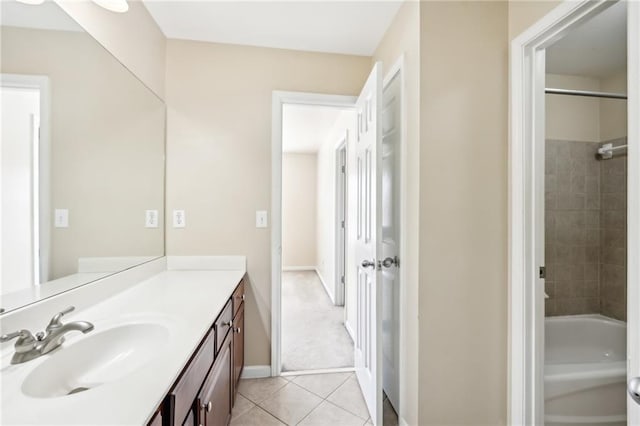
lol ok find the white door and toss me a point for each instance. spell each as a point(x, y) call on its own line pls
point(368, 345)
point(390, 238)
point(19, 183)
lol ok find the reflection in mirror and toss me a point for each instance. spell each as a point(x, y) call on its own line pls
point(82, 183)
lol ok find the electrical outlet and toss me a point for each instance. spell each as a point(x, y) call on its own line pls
point(61, 218)
point(261, 219)
point(179, 219)
point(151, 218)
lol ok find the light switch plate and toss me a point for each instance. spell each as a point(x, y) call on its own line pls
point(61, 218)
point(151, 218)
point(179, 219)
point(261, 219)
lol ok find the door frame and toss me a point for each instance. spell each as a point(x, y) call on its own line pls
point(43, 219)
point(278, 100)
point(341, 211)
point(526, 121)
point(398, 69)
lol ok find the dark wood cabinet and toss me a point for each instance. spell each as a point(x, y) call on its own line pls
point(238, 348)
point(156, 420)
point(204, 393)
point(216, 397)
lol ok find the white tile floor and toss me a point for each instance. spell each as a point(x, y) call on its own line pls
point(311, 400)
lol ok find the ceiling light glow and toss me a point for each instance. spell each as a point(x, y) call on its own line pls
point(31, 2)
point(119, 6)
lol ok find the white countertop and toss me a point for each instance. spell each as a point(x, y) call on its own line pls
point(186, 302)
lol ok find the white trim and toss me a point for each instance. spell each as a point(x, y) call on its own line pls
point(326, 287)
point(398, 68)
point(526, 109)
point(256, 372)
point(40, 82)
point(633, 206)
point(347, 325)
point(298, 268)
point(319, 371)
point(279, 98)
point(341, 189)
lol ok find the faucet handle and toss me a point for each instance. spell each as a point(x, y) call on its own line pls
point(22, 333)
point(55, 321)
point(25, 340)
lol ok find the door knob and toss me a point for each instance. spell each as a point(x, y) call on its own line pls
point(390, 261)
point(634, 389)
point(207, 406)
point(368, 263)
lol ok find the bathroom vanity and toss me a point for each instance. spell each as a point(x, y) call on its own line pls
point(167, 348)
point(205, 392)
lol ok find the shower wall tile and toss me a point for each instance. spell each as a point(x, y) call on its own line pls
point(572, 228)
point(613, 234)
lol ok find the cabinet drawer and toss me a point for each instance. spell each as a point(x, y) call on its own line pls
point(223, 324)
point(215, 399)
point(238, 297)
point(183, 394)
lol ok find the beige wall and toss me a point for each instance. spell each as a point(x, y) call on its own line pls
point(524, 13)
point(299, 177)
point(613, 112)
point(463, 213)
point(219, 152)
point(133, 37)
point(107, 144)
point(572, 118)
point(576, 118)
point(403, 37)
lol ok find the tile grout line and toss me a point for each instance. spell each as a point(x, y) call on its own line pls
point(345, 409)
point(330, 393)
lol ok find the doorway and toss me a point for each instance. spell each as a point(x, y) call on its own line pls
point(314, 332)
point(375, 214)
point(25, 166)
point(567, 200)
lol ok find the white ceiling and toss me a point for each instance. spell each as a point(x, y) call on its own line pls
point(305, 127)
point(46, 16)
point(596, 49)
point(337, 26)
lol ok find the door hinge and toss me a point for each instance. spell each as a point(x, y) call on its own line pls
point(342, 279)
point(542, 272)
point(342, 169)
point(342, 224)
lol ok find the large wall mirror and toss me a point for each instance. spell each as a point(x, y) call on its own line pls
point(82, 158)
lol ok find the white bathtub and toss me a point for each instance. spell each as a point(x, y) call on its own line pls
point(585, 371)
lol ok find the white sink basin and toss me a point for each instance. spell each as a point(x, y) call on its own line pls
point(96, 359)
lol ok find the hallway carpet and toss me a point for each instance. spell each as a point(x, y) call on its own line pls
point(313, 332)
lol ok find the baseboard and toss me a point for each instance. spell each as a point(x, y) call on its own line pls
point(256, 371)
point(298, 268)
point(349, 330)
point(324, 284)
point(319, 371)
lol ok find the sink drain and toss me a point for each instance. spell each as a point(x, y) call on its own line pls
point(77, 390)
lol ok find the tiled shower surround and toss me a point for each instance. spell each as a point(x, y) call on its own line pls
point(585, 230)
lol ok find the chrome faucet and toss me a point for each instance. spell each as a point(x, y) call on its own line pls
point(29, 347)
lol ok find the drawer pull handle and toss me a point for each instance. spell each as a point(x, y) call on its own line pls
point(238, 330)
point(228, 324)
point(243, 297)
point(207, 406)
